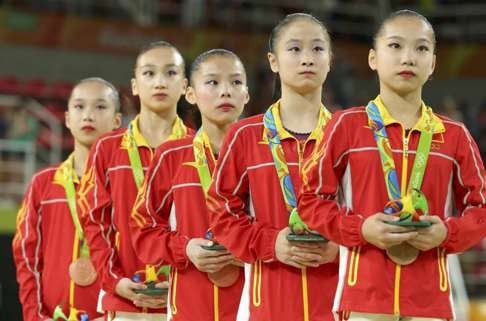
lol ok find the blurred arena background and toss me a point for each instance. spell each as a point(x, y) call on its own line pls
point(47, 45)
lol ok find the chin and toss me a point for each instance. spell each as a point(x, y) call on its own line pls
point(160, 108)
point(305, 90)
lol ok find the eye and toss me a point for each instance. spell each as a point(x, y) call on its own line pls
point(318, 48)
point(294, 49)
point(148, 73)
point(101, 107)
point(423, 48)
point(394, 45)
point(78, 106)
point(172, 73)
point(211, 82)
point(237, 82)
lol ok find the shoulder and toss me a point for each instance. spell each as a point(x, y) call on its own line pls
point(349, 114)
point(111, 139)
point(451, 124)
point(246, 126)
point(45, 175)
point(175, 147)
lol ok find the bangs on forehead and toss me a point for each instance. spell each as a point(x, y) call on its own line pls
point(175, 59)
point(208, 55)
point(159, 45)
point(112, 90)
point(405, 14)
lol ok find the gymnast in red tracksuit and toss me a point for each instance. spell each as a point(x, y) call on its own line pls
point(250, 199)
point(115, 171)
point(397, 154)
point(49, 240)
point(170, 218)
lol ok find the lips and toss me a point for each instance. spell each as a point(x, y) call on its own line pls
point(159, 96)
point(226, 106)
point(407, 74)
point(88, 129)
point(307, 72)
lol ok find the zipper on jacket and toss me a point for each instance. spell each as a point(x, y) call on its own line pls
point(403, 189)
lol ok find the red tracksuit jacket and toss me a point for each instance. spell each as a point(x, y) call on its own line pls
point(350, 167)
point(170, 209)
point(43, 249)
point(109, 194)
point(248, 210)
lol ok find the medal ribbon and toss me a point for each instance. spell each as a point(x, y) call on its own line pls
point(68, 184)
point(376, 123)
point(200, 144)
point(179, 130)
point(278, 155)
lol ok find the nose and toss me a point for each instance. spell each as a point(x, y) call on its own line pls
point(307, 58)
point(88, 114)
point(160, 81)
point(225, 90)
point(408, 57)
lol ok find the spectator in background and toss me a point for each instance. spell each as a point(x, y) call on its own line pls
point(24, 127)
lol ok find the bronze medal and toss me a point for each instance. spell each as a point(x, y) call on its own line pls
point(402, 254)
point(82, 272)
point(225, 277)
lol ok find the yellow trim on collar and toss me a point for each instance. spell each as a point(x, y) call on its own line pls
point(67, 165)
point(179, 130)
point(421, 125)
point(316, 133)
point(137, 135)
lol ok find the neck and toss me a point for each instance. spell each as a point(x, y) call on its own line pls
point(300, 113)
point(156, 127)
point(80, 155)
point(215, 134)
point(405, 109)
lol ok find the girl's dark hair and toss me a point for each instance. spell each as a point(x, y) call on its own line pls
point(196, 64)
point(155, 45)
point(276, 32)
point(402, 13)
point(114, 91)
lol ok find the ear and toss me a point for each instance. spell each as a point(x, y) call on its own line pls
point(185, 84)
point(134, 87)
point(117, 121)
point(372, 59)
point(432, 68)
point(247, 96)
point(66, 120)
point(190, 95)
point(272, 60)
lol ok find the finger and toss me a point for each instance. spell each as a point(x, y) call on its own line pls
point(210, 253)
point(305, 262)
point(163, 285)
point(308, 245)
point(217, 259)
point(237, 262)
point(310, 254)
point(386, 217)
point(434, 219)
point(135, 285)
point(399, 237)
point(396, 228)
point(418, 245)
point(307, 256)
point(147, 304)
point(294, 264)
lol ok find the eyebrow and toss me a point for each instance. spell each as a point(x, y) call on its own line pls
point(214, 75)
point(154, 66)
point(402, 38)
point(82, 99)
point(300, 40)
